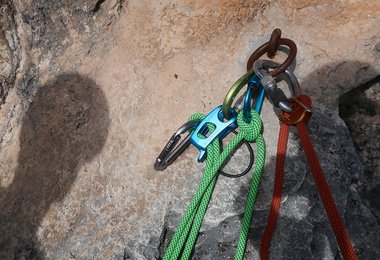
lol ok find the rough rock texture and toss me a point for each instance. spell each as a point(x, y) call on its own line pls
point(91, 90)
point(9, 49)
point(360, 108)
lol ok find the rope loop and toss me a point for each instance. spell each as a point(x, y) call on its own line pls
point(197, 116)
point(251, 130)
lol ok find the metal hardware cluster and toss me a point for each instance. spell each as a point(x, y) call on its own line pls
point(260, 80)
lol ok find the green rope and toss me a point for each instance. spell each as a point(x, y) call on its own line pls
point(248, 210)
point(186, 234)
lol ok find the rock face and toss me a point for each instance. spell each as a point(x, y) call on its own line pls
point(360, 108)
point(65, 125)
point(9, 49)
point(91, 90)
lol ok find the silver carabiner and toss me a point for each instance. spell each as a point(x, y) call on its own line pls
point(171, 150)
point(276, 95)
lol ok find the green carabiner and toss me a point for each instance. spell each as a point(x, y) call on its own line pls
point(236, 87)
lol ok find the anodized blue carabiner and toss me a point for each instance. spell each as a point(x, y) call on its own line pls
point(215, 117)
point(254, 81)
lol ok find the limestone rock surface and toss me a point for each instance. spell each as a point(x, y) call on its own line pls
point(91, 91)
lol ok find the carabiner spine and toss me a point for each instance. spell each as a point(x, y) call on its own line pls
point(178, 150)
point(161, 161)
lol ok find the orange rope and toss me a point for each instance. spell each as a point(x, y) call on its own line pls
point(322, 186)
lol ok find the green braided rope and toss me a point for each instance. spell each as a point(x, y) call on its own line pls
point(193, 217)
point(212, 153)
point(198, 201)
point(248, 210)
point(198, 221)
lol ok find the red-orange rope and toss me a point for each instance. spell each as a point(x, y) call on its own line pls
point(324, 192)
point(277, 191)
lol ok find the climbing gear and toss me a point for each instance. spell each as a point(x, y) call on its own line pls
point(206, 138)
point(249, 167)
point(254, 82)
point(262, 67)
point(187, 231)
point(273, 43)
point(171, 152)
point(220, 130)
point(299, 118)
point(276, 95)
point(206, 132)
point(236, 87)
point(268, 47)
point(300, 113)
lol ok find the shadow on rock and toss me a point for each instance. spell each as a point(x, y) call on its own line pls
point(65, 126)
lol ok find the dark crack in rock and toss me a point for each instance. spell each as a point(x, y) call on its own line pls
point(29, 83)
point(9, 48)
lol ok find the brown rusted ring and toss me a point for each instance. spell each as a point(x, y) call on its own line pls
point(265, 48)
point(273, 42)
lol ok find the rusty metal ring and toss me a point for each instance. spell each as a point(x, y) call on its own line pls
point(265, 48)
point(273, 42)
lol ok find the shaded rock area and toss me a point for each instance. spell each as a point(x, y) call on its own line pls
point(65, 125)
point(91, 90)
point(360, 108)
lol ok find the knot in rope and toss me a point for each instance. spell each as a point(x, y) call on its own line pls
point(250, 131)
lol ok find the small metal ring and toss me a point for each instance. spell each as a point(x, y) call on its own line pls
point(251, 158)
point(266, 47)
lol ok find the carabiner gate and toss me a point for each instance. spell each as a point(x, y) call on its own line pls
point(253, 82)
point(171, 151)
point(276, 95)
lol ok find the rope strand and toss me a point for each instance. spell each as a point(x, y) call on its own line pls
point(186, 234)
point(323, 189)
